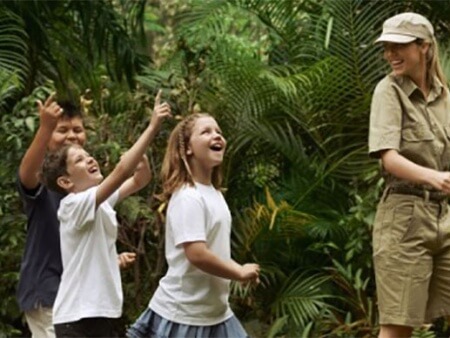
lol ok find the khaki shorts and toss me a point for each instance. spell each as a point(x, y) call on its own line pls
point(411, 252)
point(40, 322)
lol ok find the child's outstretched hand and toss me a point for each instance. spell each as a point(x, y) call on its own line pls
point(125, 259)
point(250, 273)
point(160, 111)
point(49, 112)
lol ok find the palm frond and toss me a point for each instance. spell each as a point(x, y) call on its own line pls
point(9, 85)
point(13, 53)
point(343, 99)
point(66, 36)
point(302, 298)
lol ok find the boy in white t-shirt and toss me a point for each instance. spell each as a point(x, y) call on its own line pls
point(90, 294)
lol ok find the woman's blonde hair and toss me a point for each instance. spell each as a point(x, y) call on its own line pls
point(434, 65)
point(175, 170)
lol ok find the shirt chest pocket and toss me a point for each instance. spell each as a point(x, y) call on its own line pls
point(418, 133)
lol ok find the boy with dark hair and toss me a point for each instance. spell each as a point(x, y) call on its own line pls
point(41, 267)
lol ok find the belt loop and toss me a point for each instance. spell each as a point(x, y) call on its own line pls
point(426, 196)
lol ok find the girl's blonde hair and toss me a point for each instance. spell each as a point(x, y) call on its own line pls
point(175, 170)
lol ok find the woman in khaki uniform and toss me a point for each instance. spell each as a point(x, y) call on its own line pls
point(410, 133)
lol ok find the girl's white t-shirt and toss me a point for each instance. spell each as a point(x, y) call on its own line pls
point(187, 295)
point(90, 284)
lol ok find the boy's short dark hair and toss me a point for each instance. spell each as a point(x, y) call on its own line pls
point(70, 109)
point(55, 166)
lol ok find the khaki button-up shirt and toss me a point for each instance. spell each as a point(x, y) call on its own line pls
point(418, 128)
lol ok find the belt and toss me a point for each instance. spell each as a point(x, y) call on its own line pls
point(432, 195)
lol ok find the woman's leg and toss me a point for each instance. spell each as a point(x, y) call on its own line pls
point(404, 237)
point(395, 331)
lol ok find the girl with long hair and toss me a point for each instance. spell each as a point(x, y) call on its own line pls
point(192, 298)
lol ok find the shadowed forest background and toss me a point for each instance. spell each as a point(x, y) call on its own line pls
point(290, 83)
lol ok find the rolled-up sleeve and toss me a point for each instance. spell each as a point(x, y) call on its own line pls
point(385, 119)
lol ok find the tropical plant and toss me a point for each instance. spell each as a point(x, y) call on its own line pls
point(64, 37)
point(294, 89)
point(13, 63)
point(76, 45)
point(16, 129)
point(290, 83)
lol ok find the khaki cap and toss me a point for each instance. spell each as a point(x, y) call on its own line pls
point(405, 28)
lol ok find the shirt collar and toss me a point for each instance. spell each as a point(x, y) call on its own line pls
point(409, 87)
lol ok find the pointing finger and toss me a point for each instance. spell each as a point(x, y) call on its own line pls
point(50, 99)
point(158, 98)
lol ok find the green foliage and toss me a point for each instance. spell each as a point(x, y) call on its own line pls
point(57, 39)
point(289, 82)
point(13, 61)
point(424, 332)
point(16, 130)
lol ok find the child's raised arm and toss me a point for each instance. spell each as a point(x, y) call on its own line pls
point(49, 113)
point(141, 177)
point(129, 161)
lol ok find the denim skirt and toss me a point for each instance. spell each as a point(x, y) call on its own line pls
point(150, 324)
